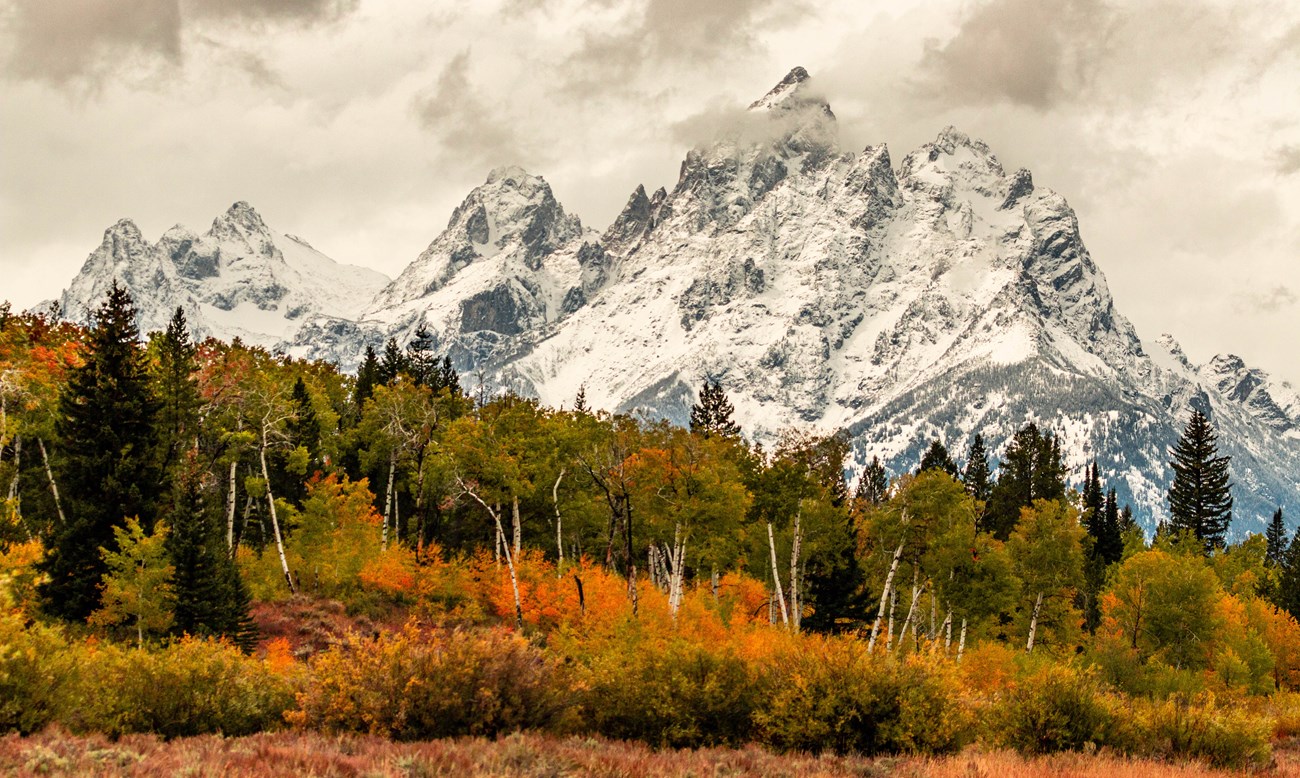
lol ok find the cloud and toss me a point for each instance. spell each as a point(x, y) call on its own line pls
point(1272, 300)
point(1288, 160)
point(88, 42)
point(455, 111)
point(1029, 52)
point(61, 41)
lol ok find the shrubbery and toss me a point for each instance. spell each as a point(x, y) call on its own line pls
point(1053, 708)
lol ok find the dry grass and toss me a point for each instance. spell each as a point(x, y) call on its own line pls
point(527, 756)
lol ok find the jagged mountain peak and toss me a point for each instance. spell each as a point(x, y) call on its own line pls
point(790, 91)
point(123, 229)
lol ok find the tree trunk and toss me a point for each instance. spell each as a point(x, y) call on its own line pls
point(518, 527)
point(559, 534)
point(49, 475)
point(230, 512)
point(582, 600)
point(275, 521)
point(796, 608)
point(388, 501)
point(1033, 623)
point(911, 610)
point(961, 645)
point(713, 584)
point(510, 560)
point(889, 634)
point(631, 589)
point(946, 628)
point(15, 501)
point(776, 576)
point(884, 596)
point(420, 518)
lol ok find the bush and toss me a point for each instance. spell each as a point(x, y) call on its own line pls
point(1053, 708)
point(1201, 729)
point(190, 687)
point(35, 673)
point(837, 697)
point(672, 694)
point(415, 685)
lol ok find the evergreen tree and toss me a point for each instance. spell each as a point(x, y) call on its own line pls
point(1031, 470)
point(1094, 501)
point(448, 379)
point(1200, 499)
point(420, 359)
point(392, 364)
point(711, 416)
point(109, 464)
point(1110, 532)
point(1288, 586)
point(367, 379)
point(177, 390)
point(210, 598)
point(977, 477)
point(1276, 535)
point(580, 402)
point(936, 458)
point(873, 484)
point(304, 426)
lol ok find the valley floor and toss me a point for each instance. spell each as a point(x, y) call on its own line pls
point(525, 756)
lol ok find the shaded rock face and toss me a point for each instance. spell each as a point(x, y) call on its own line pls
point(938, 295)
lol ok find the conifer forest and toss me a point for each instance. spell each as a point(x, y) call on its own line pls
point(203, 539)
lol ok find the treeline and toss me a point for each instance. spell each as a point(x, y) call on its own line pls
point(153, 491)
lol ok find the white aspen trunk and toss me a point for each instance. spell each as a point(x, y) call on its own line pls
point(713, 583)
point(397, 516)
point(884, 596)
point(275, 521)
point(961, 645)
point(889, 634)
point(933, 607)
point(18, 466)
point(1033, 624)
point(510, 561)
point(776, 576)
point(795, 547)
point(909, 621)
point(49, 475)
point(631, 590)
point(946, 627)
point(518, 527)
point(388, 500)
point(230, 512)
point(559, 535)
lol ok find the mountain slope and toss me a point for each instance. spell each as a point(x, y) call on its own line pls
point(239, 279)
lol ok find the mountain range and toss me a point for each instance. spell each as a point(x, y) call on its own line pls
point(938, 296)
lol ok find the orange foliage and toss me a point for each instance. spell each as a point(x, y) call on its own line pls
point(279, 656)
point(393, 572)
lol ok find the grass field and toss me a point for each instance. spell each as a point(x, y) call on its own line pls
point(530, 756)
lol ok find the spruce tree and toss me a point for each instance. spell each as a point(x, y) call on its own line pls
point(1200, 498)
point(304, 426)
point(420, 359)
point(1030, 470)
point(177, 390)
point(873, 484)
point(711, 416)
point(393, 363)
point(977, 476)
point(580, 402)
point(1110, 531)
point(367, 379)
point(198, 554)
point(936, 458)
point(109, 464)
point(1094, 501)
point(1276, 536)
point(1287, 596)
point(448, 380)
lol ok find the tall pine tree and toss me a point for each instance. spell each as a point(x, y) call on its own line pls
point(1276, 536)
point(977, 477)
point(936, 458)
point(367, 379)
point(109, 463)
point(177, 390)
point(1287, 596)
point(873, 484)
point(1031, 470)
point(1200, 499)
point(711, 416)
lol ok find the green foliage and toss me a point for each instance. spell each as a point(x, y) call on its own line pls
point(1200, 728)
point(36, 670)
point(936, 458)
point(1162, 605)
point(1047, 551)
point(414, 685)
point(1056, 707)
point(1031, 470)
point(712, 415)
point(836, 697)
point(1200, 498)
point(977, 477)
point(138, 586)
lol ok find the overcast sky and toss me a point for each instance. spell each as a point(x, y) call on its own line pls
point(1171, 126)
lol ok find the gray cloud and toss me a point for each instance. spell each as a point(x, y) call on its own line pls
point(1029, 52)
point(61, 41)
point(1288, 160)
point(455, 111)
point(1268, 301)
point(87, 42)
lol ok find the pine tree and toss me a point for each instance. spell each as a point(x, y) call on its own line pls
point(1288, 586)
point(304, 427)
point(873, 484)
point(936, 458)
point(420, 359)
point(712, 415)
point(177, 390)
point(392, 364)
point(109, 463)
point(977, 476)
point(580, 402)
point(1200, 498)
point(1276, 535)
point(448, 379)
point(1031, 470)
point(367, 379)
point(1110, 532)
point(210, 598)
point(1094, 501)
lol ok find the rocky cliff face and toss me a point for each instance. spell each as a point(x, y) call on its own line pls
point(824, 288)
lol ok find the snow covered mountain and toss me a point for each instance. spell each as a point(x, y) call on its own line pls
point(239, 279)
point(939, 296)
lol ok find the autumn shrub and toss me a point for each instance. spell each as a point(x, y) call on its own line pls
point(668, 691)
point(835, 696)
point(1199, 728)
point(35, 673)
point(1051, 708)
point(189, 687)
point(417, 684)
